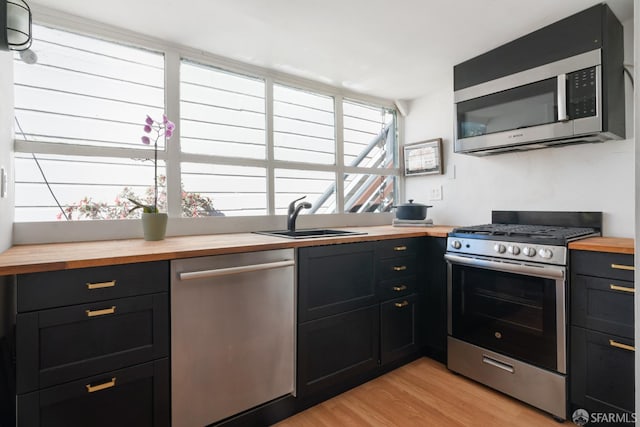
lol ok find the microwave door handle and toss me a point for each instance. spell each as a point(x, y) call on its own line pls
point(562, 98)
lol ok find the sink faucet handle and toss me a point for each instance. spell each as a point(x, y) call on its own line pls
point(292, 205)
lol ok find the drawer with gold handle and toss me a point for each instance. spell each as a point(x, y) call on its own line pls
point(401, 304)
point(399, 288)
point(83, 340)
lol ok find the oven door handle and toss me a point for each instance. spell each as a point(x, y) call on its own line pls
point(546, 271)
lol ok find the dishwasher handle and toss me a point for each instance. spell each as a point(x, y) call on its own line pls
point(204, 274)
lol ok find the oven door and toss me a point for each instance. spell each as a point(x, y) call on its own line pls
point(515, 309)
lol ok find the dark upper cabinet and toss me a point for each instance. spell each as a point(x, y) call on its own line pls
point(602, 349)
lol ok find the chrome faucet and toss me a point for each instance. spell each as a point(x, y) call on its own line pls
point(293, 212)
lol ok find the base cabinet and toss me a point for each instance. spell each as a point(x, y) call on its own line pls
point(131, 397)
point(336, 349)
point(94, 353)
point(398, 328)
point(602, 348)
point(602, 368)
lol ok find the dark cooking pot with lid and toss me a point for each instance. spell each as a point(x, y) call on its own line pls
point(411, 210)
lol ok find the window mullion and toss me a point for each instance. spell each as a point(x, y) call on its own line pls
point(271, 186)
point(340, 170)
point(172, 106)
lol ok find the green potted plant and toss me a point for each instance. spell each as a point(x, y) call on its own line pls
point(154, 223)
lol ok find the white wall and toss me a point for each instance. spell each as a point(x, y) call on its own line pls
point(6, 146)
point(585, 177)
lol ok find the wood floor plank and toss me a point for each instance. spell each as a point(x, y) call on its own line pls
point(422, 393)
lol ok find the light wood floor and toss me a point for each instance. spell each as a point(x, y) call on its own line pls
point(422, 393)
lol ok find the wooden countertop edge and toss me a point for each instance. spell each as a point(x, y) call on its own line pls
point(618, 245)
point(21, 259)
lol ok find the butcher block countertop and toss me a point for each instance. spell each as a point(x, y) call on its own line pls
point(62, 256)
point(618, 245)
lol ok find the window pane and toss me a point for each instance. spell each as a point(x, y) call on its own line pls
point(303, 126)
point(369, 136)
point(223, 114)
point(223, 190)
point(319, 187)
point(87, 91)
point(369, 193)
point(85, 187)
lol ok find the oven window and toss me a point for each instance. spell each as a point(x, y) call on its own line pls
point(524, 106)
point(512, 314)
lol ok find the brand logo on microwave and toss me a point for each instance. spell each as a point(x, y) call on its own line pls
point(516, 135)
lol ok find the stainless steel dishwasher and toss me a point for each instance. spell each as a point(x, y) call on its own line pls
point(232, 334)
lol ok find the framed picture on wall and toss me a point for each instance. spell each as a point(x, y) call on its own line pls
point(423, 158)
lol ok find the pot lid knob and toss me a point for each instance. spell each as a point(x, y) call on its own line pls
point(410, 200)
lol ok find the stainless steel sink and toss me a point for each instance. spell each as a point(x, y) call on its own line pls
point(308, 233)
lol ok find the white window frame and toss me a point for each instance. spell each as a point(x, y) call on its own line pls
point(59, 231)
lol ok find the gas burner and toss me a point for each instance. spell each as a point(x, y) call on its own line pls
point(524, 233)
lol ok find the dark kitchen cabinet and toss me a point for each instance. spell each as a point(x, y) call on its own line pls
point(398, 328)
point(90, 347)
point(434, 299)
point(398, 287)
point(338, 317)
point(337, 349)
point(602, 332)
point(358, 313)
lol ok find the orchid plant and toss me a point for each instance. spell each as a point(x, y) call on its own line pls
point(159, 128)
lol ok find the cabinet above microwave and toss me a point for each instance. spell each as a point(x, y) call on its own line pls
point(544, 98)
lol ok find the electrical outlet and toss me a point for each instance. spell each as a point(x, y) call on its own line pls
point(436, 193)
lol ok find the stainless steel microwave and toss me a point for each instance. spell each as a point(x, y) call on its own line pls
point(553, 104)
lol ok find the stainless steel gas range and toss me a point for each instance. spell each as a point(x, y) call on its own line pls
point(507, 302)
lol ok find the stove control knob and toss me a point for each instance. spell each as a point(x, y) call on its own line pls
point(456, 244)
point(529, 251)
point(513, 250)
point(545, 253)
point(499, 248)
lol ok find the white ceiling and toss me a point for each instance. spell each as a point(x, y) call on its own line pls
point(398, 49)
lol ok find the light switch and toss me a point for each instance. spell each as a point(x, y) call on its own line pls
point(436, 193)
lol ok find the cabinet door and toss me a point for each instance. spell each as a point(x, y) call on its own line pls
point(605, 305)
point(68, 343)
point(398, 321)
point(602, 371)
point(133, 397)
point(334, 350)
point(434, 301)
point(334, 279)
point(38, 291)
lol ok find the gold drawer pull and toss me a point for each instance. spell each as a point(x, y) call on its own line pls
point(616, 344)
point(621, 288)
point(399, 248)
point(94, 313)
point(400, 288)
point(402, 304)
point(623, 267)
point(103, 386)
point(400, 268)
point(101, 285)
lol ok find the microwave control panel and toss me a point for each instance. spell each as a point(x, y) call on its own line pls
point(582, 93)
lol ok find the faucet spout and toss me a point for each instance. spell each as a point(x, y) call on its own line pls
point(294, 211)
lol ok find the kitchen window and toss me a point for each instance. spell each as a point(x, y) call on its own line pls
point(246, 143)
